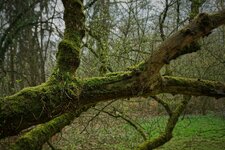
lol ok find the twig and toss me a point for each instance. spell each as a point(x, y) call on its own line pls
point(129, 121)
point(99, 111)
point(88, 5)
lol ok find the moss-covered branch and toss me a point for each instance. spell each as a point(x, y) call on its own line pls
point(39, 104)
point(197, 87)
point(35, 138)
point(35, 105)
point(168, 133)
point(164, 104)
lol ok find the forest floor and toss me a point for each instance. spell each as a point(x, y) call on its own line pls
point(193, 132)
point(198, 133)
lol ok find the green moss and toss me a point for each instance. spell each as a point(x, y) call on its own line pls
point(110, 78)
point(154, 143)
point(115, 73)
point(205, 86)
point(69, 48)
point(30, 93)
point(35, 104)
point(140, 66)
point(68, 56)
point(34, 139)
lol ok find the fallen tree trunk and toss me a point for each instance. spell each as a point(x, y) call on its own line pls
point(39, 104)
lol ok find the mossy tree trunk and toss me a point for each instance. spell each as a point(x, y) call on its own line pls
point(63, 97)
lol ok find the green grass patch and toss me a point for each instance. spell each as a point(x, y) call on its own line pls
point(191, 133)
point(198, 133)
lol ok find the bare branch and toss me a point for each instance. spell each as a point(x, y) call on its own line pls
point(97, 114)
point(90, 4)
point(128, 120)
point(164, 104)
point(173, 47)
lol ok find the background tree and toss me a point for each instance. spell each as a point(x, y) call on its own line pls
point(26, 42)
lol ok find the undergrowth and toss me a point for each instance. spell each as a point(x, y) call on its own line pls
point(192, 132)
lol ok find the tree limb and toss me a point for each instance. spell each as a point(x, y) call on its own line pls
point(196, 87)
point(173, 46)
point(35, 138)
point(168, 133)
point(164, 104)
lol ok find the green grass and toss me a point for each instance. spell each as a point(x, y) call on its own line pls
point(191, 133)
point(198, 133)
